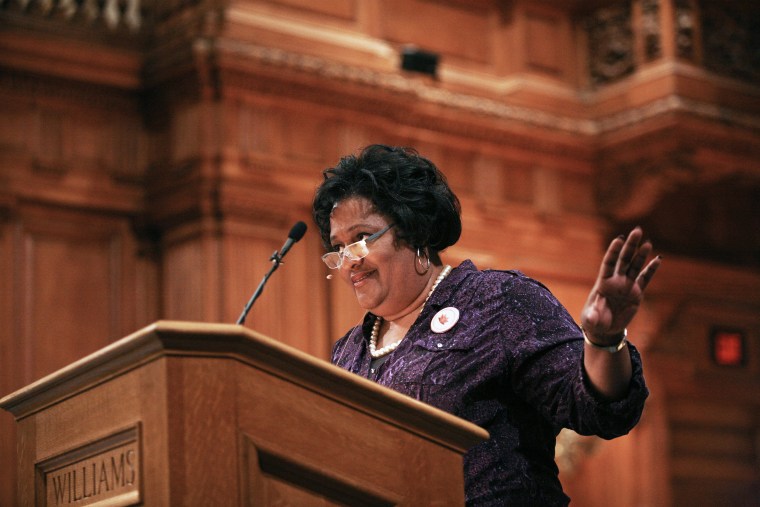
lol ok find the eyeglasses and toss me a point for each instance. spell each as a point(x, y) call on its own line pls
point(353, 252)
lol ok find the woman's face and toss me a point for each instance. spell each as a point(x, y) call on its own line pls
point(385, 281)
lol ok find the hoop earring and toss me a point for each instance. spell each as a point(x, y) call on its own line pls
point(418, 260)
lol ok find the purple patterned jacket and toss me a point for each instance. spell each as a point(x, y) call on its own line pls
point(512, 364)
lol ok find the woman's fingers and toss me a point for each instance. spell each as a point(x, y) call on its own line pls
point(611, 256)
point(646, 275)
point(637, 263)
point(627, 257)
point(623, 276)
point(628, 252)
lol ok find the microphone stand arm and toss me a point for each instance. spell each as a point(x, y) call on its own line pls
point(276, 259)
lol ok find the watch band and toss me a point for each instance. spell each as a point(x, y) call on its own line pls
point(607, 348)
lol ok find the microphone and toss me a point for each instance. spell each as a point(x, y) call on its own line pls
point(295, 234)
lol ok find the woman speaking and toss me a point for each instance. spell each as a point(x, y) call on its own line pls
point(493, 347)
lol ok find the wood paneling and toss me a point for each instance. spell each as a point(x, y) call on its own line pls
point(56, 268)
point(11, 367)
point(345, 9)
point(430, 25)
point(73, 269)
point(187, 267)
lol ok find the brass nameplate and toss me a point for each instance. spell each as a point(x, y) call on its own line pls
point(103, 472)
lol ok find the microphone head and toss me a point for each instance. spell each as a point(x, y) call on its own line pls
point(297, 232)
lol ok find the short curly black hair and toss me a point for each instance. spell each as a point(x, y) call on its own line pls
point(403, 186)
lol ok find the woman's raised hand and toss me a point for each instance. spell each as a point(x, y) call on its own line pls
point(619, 287)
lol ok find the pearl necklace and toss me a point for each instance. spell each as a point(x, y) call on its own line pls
point(376, 353)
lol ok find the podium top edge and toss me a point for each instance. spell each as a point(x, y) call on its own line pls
point(165, 338)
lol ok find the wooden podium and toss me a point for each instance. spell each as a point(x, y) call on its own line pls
point(192, 414)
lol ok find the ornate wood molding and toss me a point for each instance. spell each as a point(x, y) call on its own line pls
point(431, 93)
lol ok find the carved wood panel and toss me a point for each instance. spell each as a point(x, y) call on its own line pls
point(74, 273)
